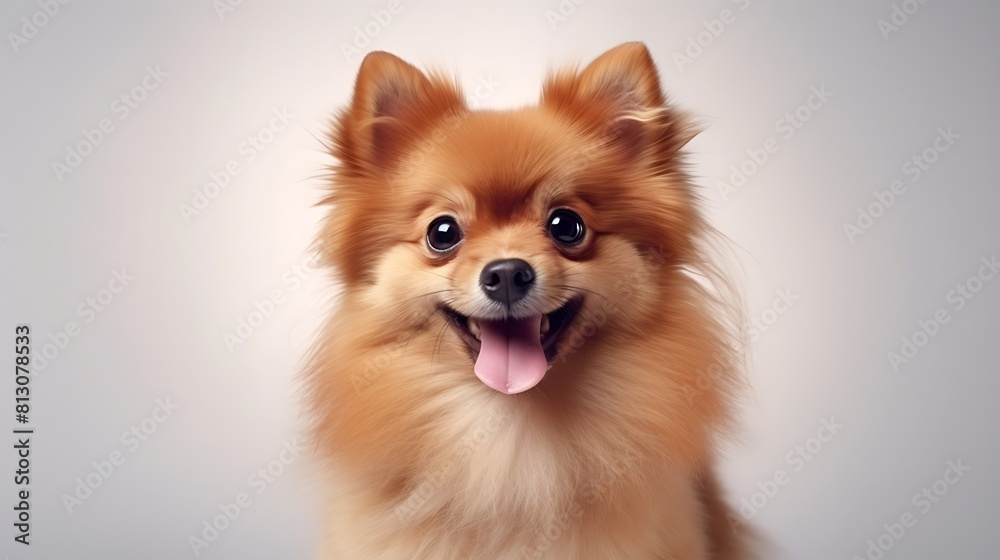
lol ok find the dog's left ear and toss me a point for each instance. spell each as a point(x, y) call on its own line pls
point(618, 96)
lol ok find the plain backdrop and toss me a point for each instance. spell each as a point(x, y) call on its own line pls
point(170, 228)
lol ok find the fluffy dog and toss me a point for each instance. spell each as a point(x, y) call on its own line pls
point(532, 356)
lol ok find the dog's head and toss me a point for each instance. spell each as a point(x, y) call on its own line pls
point(550, 249)
point(514, 239)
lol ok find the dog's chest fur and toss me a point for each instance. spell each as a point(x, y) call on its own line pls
point(512, 487)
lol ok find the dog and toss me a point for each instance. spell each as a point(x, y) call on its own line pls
point(533, 354)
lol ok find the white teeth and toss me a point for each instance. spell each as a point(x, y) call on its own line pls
point(474, 327)
point(545, 325)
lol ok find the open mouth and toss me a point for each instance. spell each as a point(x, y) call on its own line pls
point(512, 355)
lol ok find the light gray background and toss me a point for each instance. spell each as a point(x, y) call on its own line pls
point(163, 335)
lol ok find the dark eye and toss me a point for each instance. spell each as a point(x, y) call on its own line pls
point(443, 234)
point(566, 227)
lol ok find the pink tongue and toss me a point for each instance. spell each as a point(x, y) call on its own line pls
point(511, 359)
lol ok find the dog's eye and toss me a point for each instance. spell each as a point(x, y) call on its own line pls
point(443, 234)
point(566, 227)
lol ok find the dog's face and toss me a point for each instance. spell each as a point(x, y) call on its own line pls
point(540, 250)
point(509, 237)
point(513, 239)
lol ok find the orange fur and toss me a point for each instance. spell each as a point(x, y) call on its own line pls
point(611, 455)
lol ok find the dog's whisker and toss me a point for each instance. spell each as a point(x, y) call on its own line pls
point(578, 289)
point(448, 278)
point(416, 332)
point(405, 301)
point(438, 341)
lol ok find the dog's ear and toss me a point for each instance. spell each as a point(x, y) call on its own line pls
point(394, 103)
point(618, 96)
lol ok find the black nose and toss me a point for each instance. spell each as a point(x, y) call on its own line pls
point(507, 280)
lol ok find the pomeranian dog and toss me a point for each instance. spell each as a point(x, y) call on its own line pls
point(533, 355)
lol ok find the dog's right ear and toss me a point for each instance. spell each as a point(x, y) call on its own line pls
point(394, 104)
